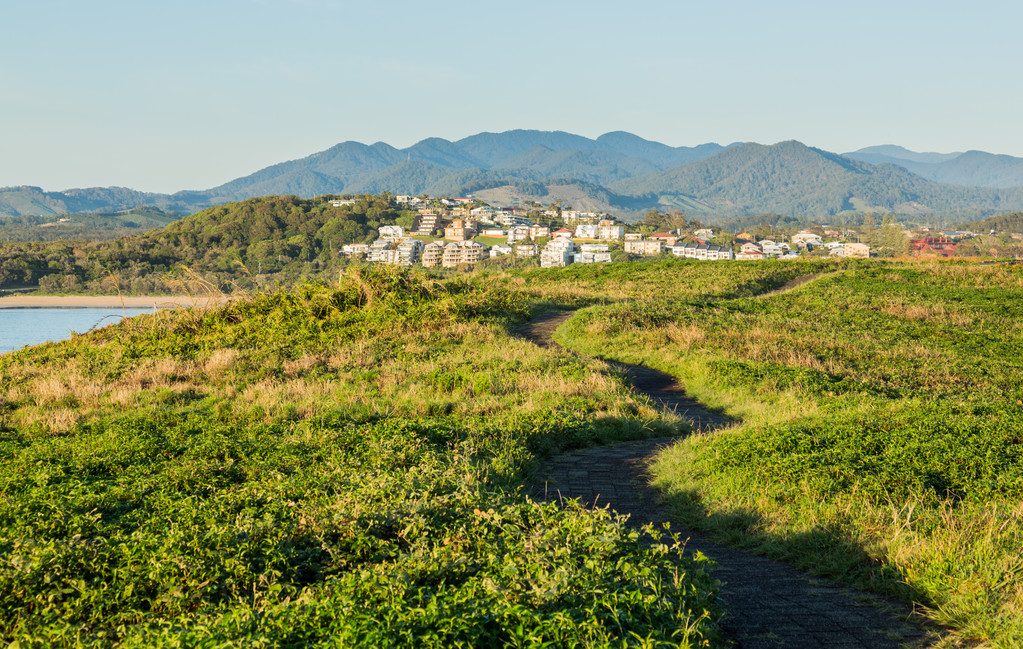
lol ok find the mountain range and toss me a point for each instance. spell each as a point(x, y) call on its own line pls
point(618, 172)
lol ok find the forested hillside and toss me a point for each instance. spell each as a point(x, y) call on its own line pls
point(258, 241)
point(792, 178)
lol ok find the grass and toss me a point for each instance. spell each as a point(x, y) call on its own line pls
point(332, 465)
point(343, 464)
point(881, 428)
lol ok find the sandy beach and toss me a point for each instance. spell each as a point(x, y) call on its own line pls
point(16, 301)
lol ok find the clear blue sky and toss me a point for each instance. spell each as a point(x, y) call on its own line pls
point(164, 96)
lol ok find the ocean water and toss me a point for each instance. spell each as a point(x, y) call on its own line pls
point(34, 325)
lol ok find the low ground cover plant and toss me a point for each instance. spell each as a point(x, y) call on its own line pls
point(882, 419)
point(332, 465)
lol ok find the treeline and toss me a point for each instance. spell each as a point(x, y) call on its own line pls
point(257, 242)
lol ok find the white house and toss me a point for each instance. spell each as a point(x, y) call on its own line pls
point(518, 233)
point(560, 251)
point(750, 255)
point(593, 253)
point(610, 230)
point(644, 247)
point(355, 249)
point(408, 252)
point(804, 239)
point(702, 251)
point(433, 254)
point(381, 251)
point(462, 252)
point(539, 231)
point(509, 220)
point(392, 232)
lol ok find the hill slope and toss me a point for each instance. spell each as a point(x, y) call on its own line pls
point(792, 178)
point(977, 168)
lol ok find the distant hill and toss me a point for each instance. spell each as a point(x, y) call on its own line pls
point(28, 200)
point(792, 178)
point(891, 152)
point(1012, 223)
point(617, 171)
point(976, 168)
point(95, 226)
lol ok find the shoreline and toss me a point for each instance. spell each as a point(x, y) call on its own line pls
point(111, 301)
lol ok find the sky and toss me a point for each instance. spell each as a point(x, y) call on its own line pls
point(165, 96)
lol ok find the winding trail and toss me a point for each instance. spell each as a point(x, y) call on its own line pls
point(768, 604)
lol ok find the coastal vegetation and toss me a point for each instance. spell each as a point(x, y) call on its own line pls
point(880, 427)
point(327, 465)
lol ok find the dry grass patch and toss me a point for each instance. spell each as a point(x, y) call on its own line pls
point(219, 361)
point(303, 365)
point(54, 420)
point(684, 335)
point(162, 372)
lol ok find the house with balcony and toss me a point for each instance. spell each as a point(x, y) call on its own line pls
point(644, 246)
point(611, 231)
point(391, 232)
point(408, 252)
point(593, 253)
point(428, 222)
point(460, 230)
point(432, 255)
point(518, 233)
point(539, 231)
point(526, 250)
point(463, 252)
point(559, 251)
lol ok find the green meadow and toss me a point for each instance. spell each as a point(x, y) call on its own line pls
point(881, 410)
point(344, 463)
point(331, 465)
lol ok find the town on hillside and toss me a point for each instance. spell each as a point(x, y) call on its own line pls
point(449, 232)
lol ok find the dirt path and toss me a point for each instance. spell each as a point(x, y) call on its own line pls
point(768, 604)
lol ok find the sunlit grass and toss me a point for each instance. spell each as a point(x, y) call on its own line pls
point(920, 496)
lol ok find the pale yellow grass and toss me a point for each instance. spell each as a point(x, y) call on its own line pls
point(925, 312)
point(55, 420)
point(219, 361)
